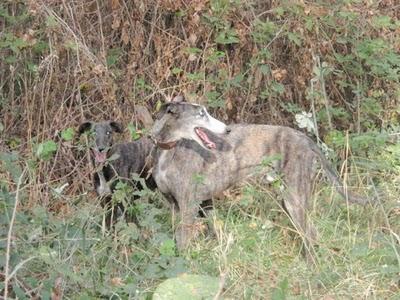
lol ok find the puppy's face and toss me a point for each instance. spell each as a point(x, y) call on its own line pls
point(102, 134)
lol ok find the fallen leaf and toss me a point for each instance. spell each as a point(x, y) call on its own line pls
point(117, 281)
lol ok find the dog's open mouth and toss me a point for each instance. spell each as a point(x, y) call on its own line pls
point(99, 157)
point(204, 138)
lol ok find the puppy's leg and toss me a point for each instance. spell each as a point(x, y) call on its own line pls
point(111, 211)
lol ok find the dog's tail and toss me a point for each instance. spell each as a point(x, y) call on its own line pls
point(334, 178)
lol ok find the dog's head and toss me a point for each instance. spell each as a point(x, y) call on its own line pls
point(183, 120)
point(102, 134)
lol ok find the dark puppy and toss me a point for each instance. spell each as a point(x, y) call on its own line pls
point(116, 162)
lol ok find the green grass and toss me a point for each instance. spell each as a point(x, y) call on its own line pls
point(357, 257)
point(251, 240)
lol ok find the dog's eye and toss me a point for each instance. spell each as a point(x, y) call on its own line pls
point(108, 132)
point(201, 113)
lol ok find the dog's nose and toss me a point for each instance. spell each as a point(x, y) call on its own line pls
point(101, 149)
point(228, 129)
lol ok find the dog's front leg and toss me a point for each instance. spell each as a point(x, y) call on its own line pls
point(186, 229)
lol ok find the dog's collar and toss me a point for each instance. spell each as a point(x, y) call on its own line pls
point(167, 145)
point(163, 145)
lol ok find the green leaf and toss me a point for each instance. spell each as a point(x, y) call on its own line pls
point(309, 23)
point(71, 45)
point(277, 87)
point(113, 56)
point(215, 55)
point(264, 32)
point(46, 150)
point(187, 286)
point(265, 69)
point(193, 50)
point(295, 38)
point(195, 76)
point(279, 11)
point(68, 134)
point(133, 131)
point(237, 80)
point(176, 71)
point(227, 37)
point(51, 21)
point(382, 22)
point(167, 248)
point(141, 84)
point(32, 67)
point(177, 266)
point(11, 165)
point(19, 292)
point(214, 99)
point(40, 47)
point(11, 59)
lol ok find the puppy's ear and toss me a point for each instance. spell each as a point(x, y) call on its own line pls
point(85, 126)
point(117, 127)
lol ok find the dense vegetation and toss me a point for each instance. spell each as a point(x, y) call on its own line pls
point(331, 65)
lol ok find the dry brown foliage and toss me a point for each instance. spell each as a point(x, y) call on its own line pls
point(150, 43)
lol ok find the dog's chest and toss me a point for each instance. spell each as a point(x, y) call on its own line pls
point(160, 174)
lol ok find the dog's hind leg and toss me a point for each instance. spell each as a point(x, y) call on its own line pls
point(296, 207)
point(298, 179)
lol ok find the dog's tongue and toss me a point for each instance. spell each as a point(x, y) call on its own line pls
point(100, 157)
point(204, 137)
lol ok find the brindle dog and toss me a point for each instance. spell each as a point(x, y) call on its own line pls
point(115, 162)
point(186, 150)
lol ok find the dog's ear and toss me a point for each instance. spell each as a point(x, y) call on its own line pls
point(178, 99)
point(144, 116)
point(117, 127)
point(172, 108)
point(85, 126)
point(168, 108)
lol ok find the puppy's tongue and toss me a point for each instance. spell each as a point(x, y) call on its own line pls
point(99, 157)
point(205, 139)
